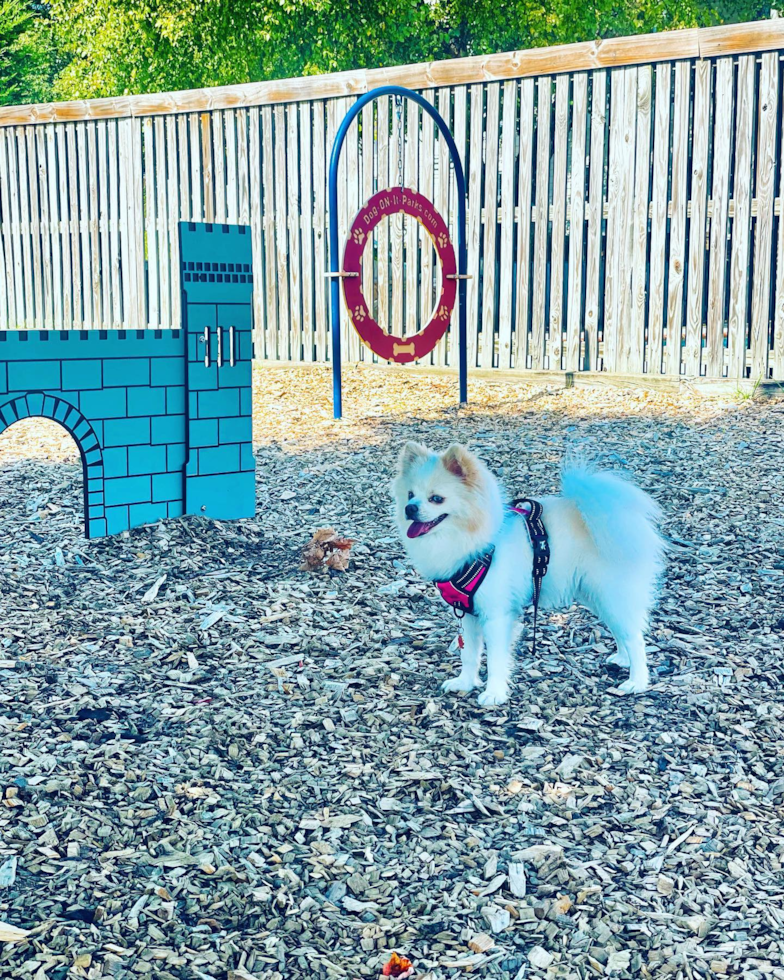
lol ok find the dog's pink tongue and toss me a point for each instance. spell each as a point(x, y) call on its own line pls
point(416, 528)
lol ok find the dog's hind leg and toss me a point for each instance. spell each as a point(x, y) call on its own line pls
point(626, 621)
point(631, 652)
point(634, 646)
point(470, 658)
point(498, 638)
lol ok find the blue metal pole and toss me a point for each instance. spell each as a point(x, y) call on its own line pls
point(337, 386)
point(334, 265)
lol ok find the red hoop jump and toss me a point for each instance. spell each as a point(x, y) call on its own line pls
point(381, 204)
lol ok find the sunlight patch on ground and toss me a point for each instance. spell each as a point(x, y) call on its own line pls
point(37, 438)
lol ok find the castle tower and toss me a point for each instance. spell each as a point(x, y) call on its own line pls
point(217, 287)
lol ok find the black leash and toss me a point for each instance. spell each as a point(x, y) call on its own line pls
point(541, 549)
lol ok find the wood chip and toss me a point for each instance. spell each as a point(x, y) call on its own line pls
point(481, 942)
point(618, 961)
point(539, 958)
point(538, 854)
point(496, 917)
point(8, 871)
point(12, 934)
point(152, 593)
point(517, 879)
point(464, 962)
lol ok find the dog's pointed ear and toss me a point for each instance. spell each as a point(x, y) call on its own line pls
point(412, 452)
point(462, 463)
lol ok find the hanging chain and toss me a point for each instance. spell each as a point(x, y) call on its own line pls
point(399, 107)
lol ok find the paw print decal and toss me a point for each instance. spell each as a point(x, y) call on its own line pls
point(360, 313)
point(443, 313)
point(358, 236)
point(443, 241)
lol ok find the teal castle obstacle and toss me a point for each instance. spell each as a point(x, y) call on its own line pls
point(162, 418)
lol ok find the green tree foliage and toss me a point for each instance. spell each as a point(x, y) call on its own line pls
point(26, 57)
point(484, 26)
point(88, 48)
point(338, 35)
point(122, 46)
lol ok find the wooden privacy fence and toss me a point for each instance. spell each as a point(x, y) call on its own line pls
point(624, 204)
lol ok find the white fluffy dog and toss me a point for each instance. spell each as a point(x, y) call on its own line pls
point(606, 553)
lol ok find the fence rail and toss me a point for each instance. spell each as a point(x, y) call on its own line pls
point(624, 204)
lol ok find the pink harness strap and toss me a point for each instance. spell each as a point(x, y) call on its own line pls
point(459, 591)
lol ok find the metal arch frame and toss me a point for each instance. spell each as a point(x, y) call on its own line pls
point(334, 263)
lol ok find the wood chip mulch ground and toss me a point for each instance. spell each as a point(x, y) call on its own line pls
point(217, 766)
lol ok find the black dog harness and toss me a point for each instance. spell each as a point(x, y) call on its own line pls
point(460, 589)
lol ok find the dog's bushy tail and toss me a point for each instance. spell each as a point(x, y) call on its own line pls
point(621, 519)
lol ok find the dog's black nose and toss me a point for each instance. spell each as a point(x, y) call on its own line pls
point(412, 511)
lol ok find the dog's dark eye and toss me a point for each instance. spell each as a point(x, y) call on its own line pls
point(410, 494)
point(435, 499)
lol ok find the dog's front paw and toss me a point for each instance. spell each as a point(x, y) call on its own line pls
point(620, 658)
point(493, 695)
point(636, 686)
point(461, 684)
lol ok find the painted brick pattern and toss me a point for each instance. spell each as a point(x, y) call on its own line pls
point(162, 418)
